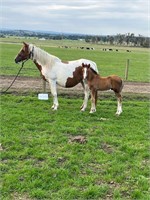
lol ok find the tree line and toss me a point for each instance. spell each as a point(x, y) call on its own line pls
point(129, 39)
point(120, 39)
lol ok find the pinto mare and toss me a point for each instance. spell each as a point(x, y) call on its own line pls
point(96, 82)
point(55, 71)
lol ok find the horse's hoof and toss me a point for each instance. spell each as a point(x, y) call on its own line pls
point(82, 110)
point(117, 114)
point(54, 107)
point(81, 107)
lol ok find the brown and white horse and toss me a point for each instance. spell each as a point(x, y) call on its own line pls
point(55, 71)
point(96, 82)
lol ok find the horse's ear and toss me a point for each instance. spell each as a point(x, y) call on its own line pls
point(25, 44)
point(88, 65)
point(82, 64)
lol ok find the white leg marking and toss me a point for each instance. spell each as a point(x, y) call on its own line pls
point(93, 106)
point(54, 93)
point(86, 90)
point(119, 107)
point(86, 97)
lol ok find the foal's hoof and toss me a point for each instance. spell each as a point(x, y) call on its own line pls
point(92, 111)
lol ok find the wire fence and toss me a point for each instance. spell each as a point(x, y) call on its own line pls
point(33, 72)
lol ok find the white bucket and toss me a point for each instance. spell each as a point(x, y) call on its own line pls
point(43, 96)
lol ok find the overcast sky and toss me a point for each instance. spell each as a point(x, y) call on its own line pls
point(98, 17)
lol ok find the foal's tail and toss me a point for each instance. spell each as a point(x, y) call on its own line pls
point(122, 85)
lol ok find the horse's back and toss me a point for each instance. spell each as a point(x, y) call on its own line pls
point(92, 63)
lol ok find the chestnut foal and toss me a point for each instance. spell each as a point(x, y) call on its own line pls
point(96, 82)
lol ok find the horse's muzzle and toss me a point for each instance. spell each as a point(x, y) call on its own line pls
point(17, 60)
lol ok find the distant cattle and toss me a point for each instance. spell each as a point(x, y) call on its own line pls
point(107, 49)
point(87, 48)
point(66, 47)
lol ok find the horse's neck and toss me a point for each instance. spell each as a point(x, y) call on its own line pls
point(43, 58)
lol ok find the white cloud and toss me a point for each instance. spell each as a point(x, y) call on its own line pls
point(74, 15)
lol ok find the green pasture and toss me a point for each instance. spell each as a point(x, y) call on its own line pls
point(39, 161)
point(38, 158)
point(108, 62)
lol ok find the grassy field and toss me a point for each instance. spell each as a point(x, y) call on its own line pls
point(39, 158)
point(40, 162)
point(108, 62)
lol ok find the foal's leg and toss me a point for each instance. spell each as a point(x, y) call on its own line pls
point(119, 103)
point(86, 95)
point(93, 101)
point(52, 84)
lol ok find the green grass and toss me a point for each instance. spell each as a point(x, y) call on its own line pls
point(108, 62)
point(39, 162)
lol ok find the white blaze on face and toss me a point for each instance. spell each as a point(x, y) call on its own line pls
point(84, 73)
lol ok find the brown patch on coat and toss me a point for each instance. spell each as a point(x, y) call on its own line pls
point(40, 69)
point(77, 78)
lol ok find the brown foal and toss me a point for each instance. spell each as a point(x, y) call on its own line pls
point(96, 82)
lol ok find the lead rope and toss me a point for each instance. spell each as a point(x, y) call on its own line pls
point(3, 92)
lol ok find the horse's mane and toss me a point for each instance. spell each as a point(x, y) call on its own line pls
point(42, 56)
point(93, 71)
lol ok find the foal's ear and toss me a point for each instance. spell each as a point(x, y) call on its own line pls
point(88, 66)
point(82, 64)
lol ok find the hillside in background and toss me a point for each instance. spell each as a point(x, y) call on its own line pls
point(128, 39)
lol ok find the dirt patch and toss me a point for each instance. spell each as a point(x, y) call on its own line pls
point(29, 84)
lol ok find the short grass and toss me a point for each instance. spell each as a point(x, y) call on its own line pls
point(107, 62)
point(40, 162)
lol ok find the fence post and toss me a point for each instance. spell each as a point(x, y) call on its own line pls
point(44, 85)
point(127, 69)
